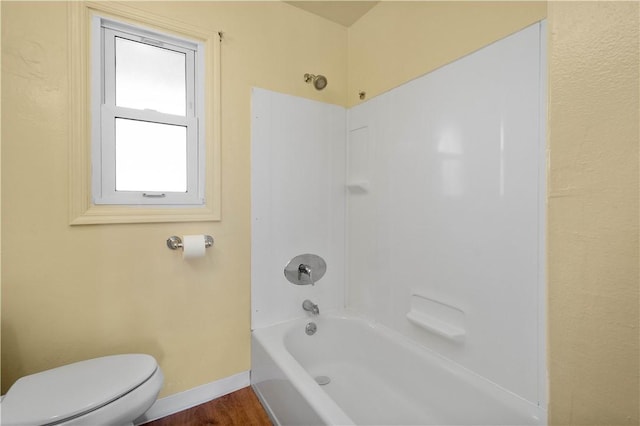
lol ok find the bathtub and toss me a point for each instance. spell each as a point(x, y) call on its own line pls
point(377, 377)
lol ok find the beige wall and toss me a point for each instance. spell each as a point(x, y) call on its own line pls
point(594, 356)
point(70, 293)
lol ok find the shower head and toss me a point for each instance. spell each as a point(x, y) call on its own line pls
point(319, 81)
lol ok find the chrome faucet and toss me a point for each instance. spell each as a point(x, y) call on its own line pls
point(309, 306)
point(305, 269)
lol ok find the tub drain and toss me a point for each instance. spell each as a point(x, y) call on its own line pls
point(322, 380)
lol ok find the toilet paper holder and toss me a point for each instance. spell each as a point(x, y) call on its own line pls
point(174, 242)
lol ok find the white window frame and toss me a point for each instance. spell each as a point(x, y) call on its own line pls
point(82, 209)
point(105, 111)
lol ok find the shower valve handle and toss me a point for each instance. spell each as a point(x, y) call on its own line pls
point(304, 269)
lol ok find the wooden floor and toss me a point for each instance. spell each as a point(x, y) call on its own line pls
point(238, 408)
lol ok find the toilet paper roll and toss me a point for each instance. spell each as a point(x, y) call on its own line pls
point(193, 246)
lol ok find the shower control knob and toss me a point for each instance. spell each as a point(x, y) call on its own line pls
point(305, 269)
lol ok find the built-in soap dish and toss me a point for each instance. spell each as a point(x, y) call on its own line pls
point(438, 318)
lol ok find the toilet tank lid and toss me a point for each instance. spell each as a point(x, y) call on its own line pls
point(74, 389)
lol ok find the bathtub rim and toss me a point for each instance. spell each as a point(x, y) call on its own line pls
point(271, 339)
point(302, 381)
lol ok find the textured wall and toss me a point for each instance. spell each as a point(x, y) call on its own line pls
point(70, 293)
point(593, 213)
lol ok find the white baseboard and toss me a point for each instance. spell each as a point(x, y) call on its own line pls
point(190, 398)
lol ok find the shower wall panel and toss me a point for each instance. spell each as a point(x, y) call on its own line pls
point(297, 202)
point(445, 213)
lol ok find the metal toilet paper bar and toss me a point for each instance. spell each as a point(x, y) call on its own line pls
point(174, 242)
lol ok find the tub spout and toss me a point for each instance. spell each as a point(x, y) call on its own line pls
point(309, 306)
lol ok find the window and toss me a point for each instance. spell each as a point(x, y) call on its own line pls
point(168, 181)
point(147, 117)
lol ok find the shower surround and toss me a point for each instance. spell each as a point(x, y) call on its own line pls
point(427, 203)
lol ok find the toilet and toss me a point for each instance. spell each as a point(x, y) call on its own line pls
point(112, 390)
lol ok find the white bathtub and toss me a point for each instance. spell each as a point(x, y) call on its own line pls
point(377, 378)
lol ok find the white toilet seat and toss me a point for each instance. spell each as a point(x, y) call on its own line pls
point(126, 409)
point(84, 390)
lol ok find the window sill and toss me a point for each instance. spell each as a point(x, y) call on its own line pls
point(96, 215)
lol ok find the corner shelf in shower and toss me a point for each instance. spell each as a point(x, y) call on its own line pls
point(358, 187)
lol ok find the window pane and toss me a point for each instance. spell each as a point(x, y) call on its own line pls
point(150, 156)
point(149, 77)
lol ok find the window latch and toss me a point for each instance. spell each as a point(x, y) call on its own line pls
point(144, 194)
point(152, 41)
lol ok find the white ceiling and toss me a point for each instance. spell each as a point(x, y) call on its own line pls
point(342, 12)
